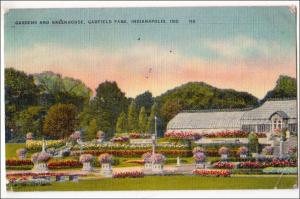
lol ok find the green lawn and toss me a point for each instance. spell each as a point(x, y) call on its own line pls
point(10, 149)
point(168, 183)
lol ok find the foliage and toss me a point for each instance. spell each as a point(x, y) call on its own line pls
point(223, 150)
point(75, 136)
point(158, 158)
point(143, 120)
point(28, 182)
point(253, 142)
point(105, 158)
point(268, 150)
point(199, 157)
point(223, 165)
point(144, 100)
point(189, 135)
point(60, 120)
point(151, 119)
point(242, 150)
point(86, 158)
point(133, 122)
point(91, 130)
point(122, 124)
point(198, 150)
point(231, 134)
point(286, 87)
point(21, 151)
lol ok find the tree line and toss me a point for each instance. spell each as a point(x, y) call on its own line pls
point(52, 106)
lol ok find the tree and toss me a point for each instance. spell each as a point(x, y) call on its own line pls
point(170, 108)
point(31, 120)
point(60, 120)
point(143, 120)
point(121, 126)
point(151, 120)
point(133, 123)
point(57, 89)
point(105, 108)
point(91, 130)
point(253, 143)
point(144, 100)
point(20, 93)
point(286, 87)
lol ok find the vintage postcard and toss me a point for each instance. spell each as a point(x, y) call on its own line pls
point(150, 99)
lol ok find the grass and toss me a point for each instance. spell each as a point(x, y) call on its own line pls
point(167, 183)
point(11, 148)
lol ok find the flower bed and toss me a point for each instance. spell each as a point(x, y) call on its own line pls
point(134, 153)
point(28, 182)
point(284, 170)
point(139, 136)
point(129, 174)
point(231, 134)
point(64, 164)
point(120, 139)
point(15, 162)
point(36, 145)
point(189, 135)
point(274, 163)
point(135, 161)
point(223, 165)
point(216, 173)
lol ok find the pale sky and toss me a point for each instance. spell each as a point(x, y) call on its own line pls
point(241, 48)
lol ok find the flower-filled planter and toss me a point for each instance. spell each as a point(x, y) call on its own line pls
point(40, 161)
point(29, 136)
point(157, 161)
point(106, 160)
point(75, 136)
point(242, 151)
point(21, 153)
point(147, 160)
point(86, 160)
point(223, 152)
point(100, 136)
point(268, 151)
point(198, 150)
point(200, 159)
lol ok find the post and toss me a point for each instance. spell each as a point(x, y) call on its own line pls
point(43, 145)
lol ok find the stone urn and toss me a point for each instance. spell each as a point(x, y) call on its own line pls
point(243, 156)
point(40, 162)
point(106, 169)
point(86, 160)
point(223, 151)
point(158, 168)
point(147, 161)
point(106, 161)
point(157, 161)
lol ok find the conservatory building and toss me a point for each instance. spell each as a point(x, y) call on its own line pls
point(270, 116)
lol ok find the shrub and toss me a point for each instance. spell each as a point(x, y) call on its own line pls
point(16, 162)
point(36, 145)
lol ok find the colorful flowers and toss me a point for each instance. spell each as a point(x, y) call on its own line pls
point(120, 139)
point(139, 135)
point(129, 174)
point(86, 158)
point(21, 153)
point(223, 151)
point(216, 173)
point(231, 134)
point(105, 158)
point(198, 150)
point(147, 157)
point(75, 136)
point(100, 135)
point(242, 150)
point(250, 165)
point(29, 136)
point(199, 157)
point(274, 163)
point(158, 158)
point(268, 150)
point(14, 162)
point(62, 164)
point(36, 145)
point(183, 135)
point(223, 165)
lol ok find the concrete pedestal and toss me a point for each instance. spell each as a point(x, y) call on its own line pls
point(106, 170)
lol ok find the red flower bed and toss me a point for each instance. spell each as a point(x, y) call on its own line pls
point(274, 163)
point(138, 135)
point(216, 173)
point(15, 162)
point(231, 134)
point(121, 139)
point(135, 161)
point(129, 174)
point(251, 165)
point(183, 135)
point(223, 165)
point(64, 164)
point(136, 153)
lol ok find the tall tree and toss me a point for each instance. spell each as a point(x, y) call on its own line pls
point(133, 123)
point(106, 106)
point(91, 130)
point(143, 120)
point(31, 120)
point(60, 120)
point(170, 108)
point(121, 126)
point(253, 142)
point(144, 100)
point(20, 93)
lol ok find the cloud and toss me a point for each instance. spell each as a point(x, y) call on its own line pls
point(129, 67)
